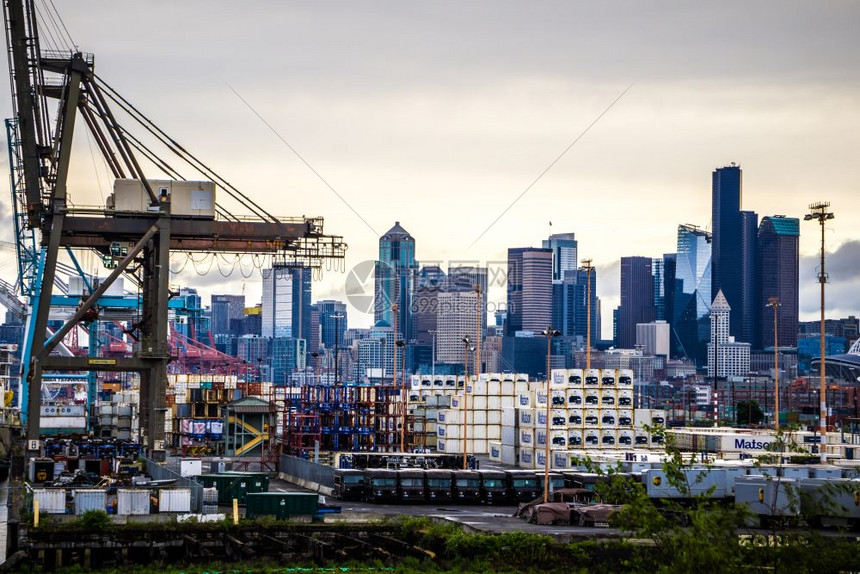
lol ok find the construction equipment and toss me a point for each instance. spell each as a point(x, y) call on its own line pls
point(135, 241)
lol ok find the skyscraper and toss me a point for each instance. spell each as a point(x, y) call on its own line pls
point(465, 278)
point(395, 274)
point(778, 255)
point(333, 319)
point(733, 252)
point(564, 252)
point(637, 299)
point(457, 318)
point(431, 281)
point(529, 289)
point(749, 278)
point(691, 294)
point(570, 308)
point(286, 302)
point(224, 309)
point(733, 358)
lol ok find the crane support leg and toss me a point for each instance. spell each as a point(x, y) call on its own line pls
point(154, 349)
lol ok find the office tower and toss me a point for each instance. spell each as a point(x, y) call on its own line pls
point(564, 253)
point(733, 251)
point(670, 263)
point(637, 298)
point(286, 354)
point(658, 275)
point(749, 278)
point(286, 302)
point(653, 337)
point(430, 282)
point(395, 275)
point(333, 322)
point(529, 290)
point(569, 304)
point(691, 294)
point(314, 343)
point(465, 278)
point(778, 255)
point(734, 357)
point(375, 359)
point(457, 317)
point(226, 308)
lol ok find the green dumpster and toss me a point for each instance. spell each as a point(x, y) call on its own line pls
point(234, 485)
point(281, 505)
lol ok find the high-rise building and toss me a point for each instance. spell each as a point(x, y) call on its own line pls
point(431, 281)
point(733, 357)
point(670, 263)
point(286, 354)
point(733, 251)
point(465, 278)
point(333, 323)
point(529, 289)
point(691, 294)
point(457, 317)
point(749, 278)
point(375, 360)
point(394, 276)
point(286, 310)
point(778, 256)
point(637, 298)
point(224, 309)
point(658, 275)
point(564, 252)
point(653, 337)
point(569, 305)
point(314, 343)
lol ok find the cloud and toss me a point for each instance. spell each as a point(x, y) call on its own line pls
point(842, 294)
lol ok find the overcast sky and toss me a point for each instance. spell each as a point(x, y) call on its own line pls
point(440, 114)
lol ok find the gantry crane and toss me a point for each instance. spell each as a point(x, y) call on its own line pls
point(137, 244)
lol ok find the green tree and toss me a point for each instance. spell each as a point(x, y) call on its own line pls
point(749, 413)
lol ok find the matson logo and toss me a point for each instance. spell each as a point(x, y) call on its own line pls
point(751, 444)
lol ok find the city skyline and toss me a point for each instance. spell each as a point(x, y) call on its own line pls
point(464, 111)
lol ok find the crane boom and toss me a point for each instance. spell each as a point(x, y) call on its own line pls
point(40, 169)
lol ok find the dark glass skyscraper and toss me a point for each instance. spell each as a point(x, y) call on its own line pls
point(733, 254)
point(333, 322)
point(569, 305)
point(691, 296)
point(395, 273)
point(226, 308)
point(749, 278)
point(529, 289)
point(778, 254)
point(637, 299)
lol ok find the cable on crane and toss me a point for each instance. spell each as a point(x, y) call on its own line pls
point(144, 121)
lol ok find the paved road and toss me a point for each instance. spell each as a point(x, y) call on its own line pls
point(481, 517)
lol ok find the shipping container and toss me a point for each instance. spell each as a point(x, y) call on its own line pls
point(132, 502)
point(281, 505)
point(51, 500)
point(174, 500)
point(86, 500)
point(766, 498)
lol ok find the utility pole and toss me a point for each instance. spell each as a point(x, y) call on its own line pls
point(717, 369)
point(818, 211)
point(549, 333)
point(466, 341)
point(433, 357)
